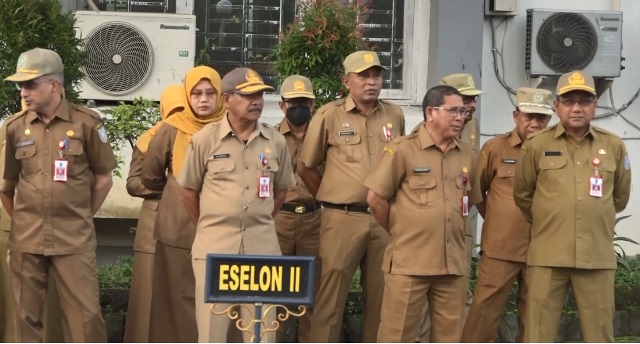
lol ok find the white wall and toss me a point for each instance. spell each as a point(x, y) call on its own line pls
point(496, 109)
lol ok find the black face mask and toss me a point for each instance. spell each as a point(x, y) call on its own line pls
point(298, 115)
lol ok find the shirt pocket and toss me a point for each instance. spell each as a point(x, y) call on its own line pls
point(220, 171)
point(552, 169)
point(74, 154)
point(607, 170)
point(26, 155)
point(271, 169)
point(504, 175)
point(350, 147)
point(423, 190)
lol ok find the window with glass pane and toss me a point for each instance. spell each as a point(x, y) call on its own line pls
point(239, 33)
point(382, 26)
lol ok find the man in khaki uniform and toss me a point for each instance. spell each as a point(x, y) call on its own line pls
point(505, 231)
point(298, 222)
point(470, 134)
point(349, 135)
point(223, 166)
point(571, 180)
point(421, 192)
point(58, 167)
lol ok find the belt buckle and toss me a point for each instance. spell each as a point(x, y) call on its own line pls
point(300, 209)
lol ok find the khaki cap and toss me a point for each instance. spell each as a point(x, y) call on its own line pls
point(36, 63)
point(535, 100)
point(244, 81)
point(576, 81)
point(297, 86)
point(360, 61)
point(463, 82)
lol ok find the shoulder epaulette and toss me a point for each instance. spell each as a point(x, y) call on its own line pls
point(86, 110)
point(397, 140)
point(539, 132)
point(14, 117)
point(604, 131)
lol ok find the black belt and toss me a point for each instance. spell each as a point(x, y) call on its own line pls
point(353, 207)
point(301, 208)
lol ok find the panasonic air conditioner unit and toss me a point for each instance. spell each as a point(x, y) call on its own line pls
point(134, 55)
point(559, 41)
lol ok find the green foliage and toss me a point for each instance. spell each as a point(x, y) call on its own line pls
point(316, 44)
point(28, 24)
point(116, 275)
point(621, 256)
point(126, 122)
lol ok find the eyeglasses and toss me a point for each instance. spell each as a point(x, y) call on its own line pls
point(536, 116)
point(463, 112)
point(30, 85)
point(469, 99)
point(582, 102)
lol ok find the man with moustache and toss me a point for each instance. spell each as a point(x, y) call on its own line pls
point(421, 193)
point(236, 175)
point(571, 180)
point(505, 231)
point(348, 136)
point(298, 221)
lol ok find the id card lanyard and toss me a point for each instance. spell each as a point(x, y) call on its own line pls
point(465, 197)
point(264, 182)
point(61, 165)
point(595, 182)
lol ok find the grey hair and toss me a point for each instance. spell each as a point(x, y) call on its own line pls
point(59, 77)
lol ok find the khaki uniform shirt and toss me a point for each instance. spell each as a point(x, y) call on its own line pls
point(173, 224)
point(226, 171)
point(54, 218)
point(470, 133)
point(144, 241)
point(569, 227)
point(298, 193)
point(351, 144)
point(424, 187)
point(5, 219)
point(505, 231)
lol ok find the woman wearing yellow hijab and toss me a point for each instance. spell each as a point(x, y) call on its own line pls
point(136, 329)
point(173, 300)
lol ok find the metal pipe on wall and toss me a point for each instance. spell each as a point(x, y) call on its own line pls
point(616, 5)
point(92, 6)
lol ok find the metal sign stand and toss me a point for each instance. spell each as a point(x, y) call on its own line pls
point(258, 322)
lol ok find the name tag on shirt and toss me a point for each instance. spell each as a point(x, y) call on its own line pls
point(346, 133)
point(421, 169)
point(553, 153)
point(25, 143)
point(220, 156)
point(509, 161)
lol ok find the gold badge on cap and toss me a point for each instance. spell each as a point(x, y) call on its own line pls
point(70, 133)
point(298, 85)
point(602, 151)
point(470, 81)
point(252, 76)
point(27, 131)
point(576, 79)
point(22, 61)
point(267, 150)
point(537, 97)
point(368, 58)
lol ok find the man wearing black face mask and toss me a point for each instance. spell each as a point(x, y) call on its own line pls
point(298, 221)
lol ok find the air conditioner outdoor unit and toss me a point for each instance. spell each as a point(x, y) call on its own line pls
point(559, 41)
point(134, 54)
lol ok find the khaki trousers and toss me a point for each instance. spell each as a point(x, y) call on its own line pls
point(548, 287)
point(214, 328)
point(403, 302)
point(495, 280)
point(299, 235)
point(77, 282)
point(136, 329)
point(348, 240)
point(173, 314)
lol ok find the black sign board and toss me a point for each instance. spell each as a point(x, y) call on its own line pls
point(267, 279)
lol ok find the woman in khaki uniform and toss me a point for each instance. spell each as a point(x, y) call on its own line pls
point(173, 300)
point(53, 323)
point(144, 246)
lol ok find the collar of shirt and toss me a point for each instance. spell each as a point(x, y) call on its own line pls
point(350, 106)
point(284, 127)
point(62, 112)
point(515, 140)
point(426, 140)
point(560, 130)
point(225, 129)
